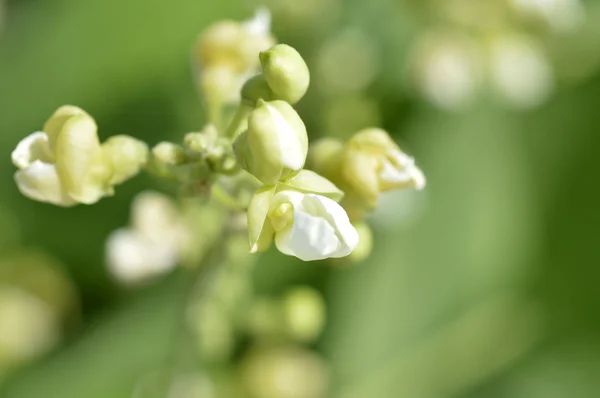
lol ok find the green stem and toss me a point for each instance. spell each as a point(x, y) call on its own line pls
point(238, 121)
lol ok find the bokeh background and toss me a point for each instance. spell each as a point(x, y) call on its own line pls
point(484, 285)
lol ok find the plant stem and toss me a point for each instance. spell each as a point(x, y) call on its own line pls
point(239, 118)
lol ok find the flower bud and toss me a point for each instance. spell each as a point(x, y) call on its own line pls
point(283, 372)
point(234, 44)
point(126, 155)
point(373, 163)
point(65, 165)
point(257, 88)
point(304, 313)
point(201, 142)
point(286, 72)
point(169, 154)
point(304, 225)
point(275, 143)
point(325, 156)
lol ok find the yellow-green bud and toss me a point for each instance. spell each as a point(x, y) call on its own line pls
point(304, 312)
point(275, 144)
point(126, 155)
point(286, 72)
point(257, 88)
point(201, 142)
point(170, 154)
point(283, 372)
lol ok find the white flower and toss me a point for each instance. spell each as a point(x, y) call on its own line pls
point(310, 227)
point(520, 71)
point(154, 243)
point(447, 70)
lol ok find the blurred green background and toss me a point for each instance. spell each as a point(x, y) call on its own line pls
point(483, 285)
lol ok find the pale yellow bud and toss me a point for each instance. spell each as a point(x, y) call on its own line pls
point(286, 72)
point(126, 155)
point(325, 156)
point(169, 154)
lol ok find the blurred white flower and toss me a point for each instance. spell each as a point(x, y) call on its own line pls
point(520, 71)
point(152, 245)
point(562, 16)
point(447, 70)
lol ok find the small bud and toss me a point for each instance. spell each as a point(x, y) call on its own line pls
point(286, 72)
point(257, 88)
point(170, 154)
point(275, 143)
point(283, 372)
point(126, 155)
point(220, 84)
point(304, 312)
point(201, 142)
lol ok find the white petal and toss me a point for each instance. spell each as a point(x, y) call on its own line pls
point(406, 173)
point(260, 24)
point(31, 148)
point(321, 229)
point(133, 257)
point(290, 146)
point(40, 182)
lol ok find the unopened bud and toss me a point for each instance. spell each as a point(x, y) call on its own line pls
point(275, 144)
point(257, 88)
point(170, 154)
point(126, 155)
point(286, 72)
point(304, 312)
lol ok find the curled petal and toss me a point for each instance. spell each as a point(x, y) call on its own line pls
point(31, 148)
point(40, 182)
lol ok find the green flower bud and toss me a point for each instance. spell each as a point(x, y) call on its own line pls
point(169, 154)
point(257, 88)
point(126, 155)
point(325, 156)
point(286, 72)
point(283, 372)
point(201, 142)
point(275, 144)
point(304, 312)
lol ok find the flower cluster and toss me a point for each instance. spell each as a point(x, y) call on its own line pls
point(252, 160)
